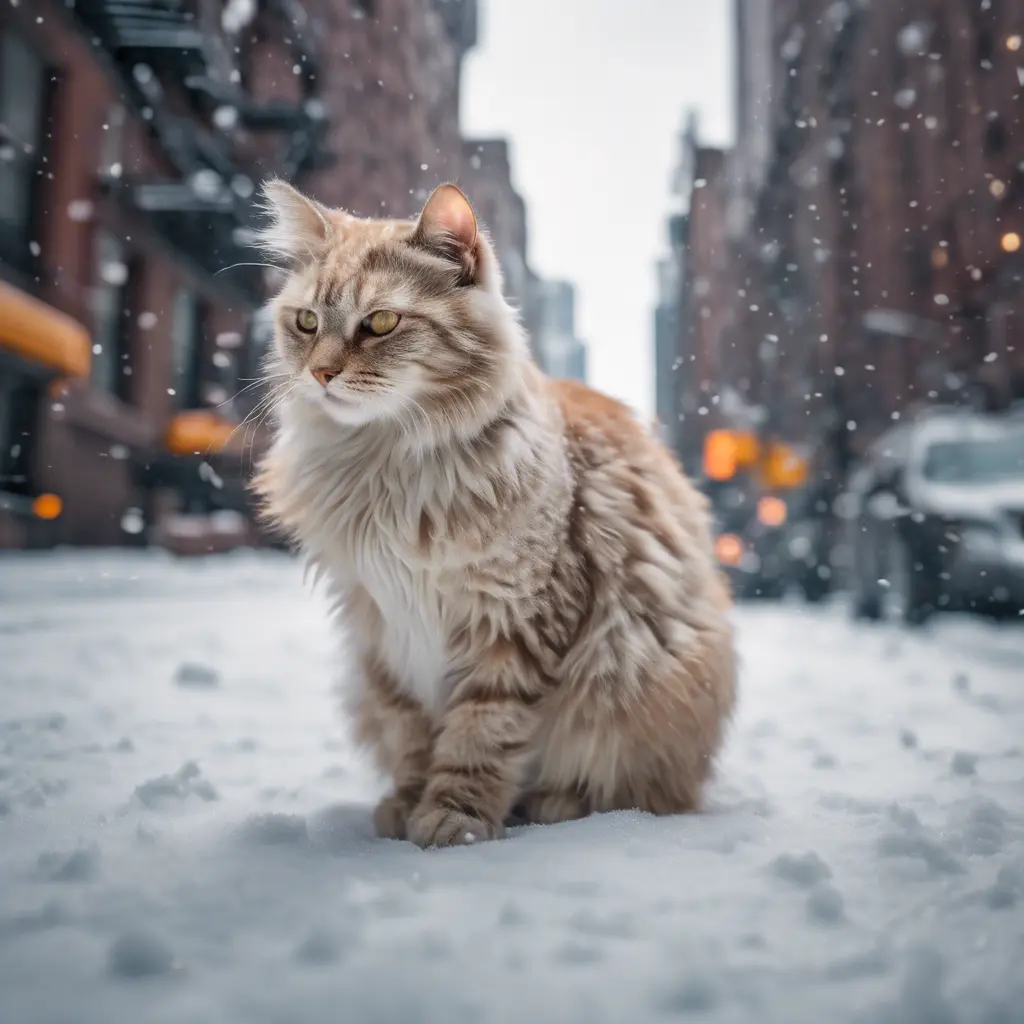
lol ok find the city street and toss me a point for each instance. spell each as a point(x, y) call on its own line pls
point(185, 831)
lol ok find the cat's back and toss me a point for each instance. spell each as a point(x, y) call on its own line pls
point(627, 472)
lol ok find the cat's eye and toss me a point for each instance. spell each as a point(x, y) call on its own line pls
point(306, 320)
point(384, 321)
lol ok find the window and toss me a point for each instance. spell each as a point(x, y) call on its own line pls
point(19, 406)
point(1000, 457)
point(187, 332)
point(111, 369)
point(996, 140)
point(22, 99)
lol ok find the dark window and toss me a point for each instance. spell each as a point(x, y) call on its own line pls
point(22, 103)
point(19, 409)
point(920, 269)
point(187, 328)
point(984, 46)
point(995, 137)
point(111, 366)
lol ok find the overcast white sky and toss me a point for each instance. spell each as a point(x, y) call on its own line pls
point(592, 95)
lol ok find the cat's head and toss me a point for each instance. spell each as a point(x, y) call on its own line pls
point(386, 320)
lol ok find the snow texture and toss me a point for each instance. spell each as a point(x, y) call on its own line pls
point(185, 831)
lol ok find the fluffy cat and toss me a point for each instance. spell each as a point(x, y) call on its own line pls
point(524, 574)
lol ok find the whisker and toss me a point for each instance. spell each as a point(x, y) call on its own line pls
point(266, 266)
point(255, 381)
point(269, 412)
point(267, 398)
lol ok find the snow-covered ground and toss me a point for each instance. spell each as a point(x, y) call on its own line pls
point(185, 832)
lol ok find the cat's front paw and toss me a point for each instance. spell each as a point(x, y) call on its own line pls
point(431, 825)
point(391, 817)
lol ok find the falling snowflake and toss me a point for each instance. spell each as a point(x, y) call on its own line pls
point(80, 210)
point(225, 118)
point(132, 521)
point(114, 273)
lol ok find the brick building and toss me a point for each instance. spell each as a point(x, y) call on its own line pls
point(132, 142)
point(391, 87)
point(696, 299)
point(873, 215)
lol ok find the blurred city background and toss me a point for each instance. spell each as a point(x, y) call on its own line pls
point(788, 233)
point(840, 329)
point(848, 268)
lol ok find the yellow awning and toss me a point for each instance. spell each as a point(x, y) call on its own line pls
point(199, 432)
point(41, 334)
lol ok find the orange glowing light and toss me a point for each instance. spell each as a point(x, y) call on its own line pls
point(47, 506)
point(1010, 242)
point(783, 468)
point(772, 511)
point(748, 450)
point(721, 455)
point(729, 549)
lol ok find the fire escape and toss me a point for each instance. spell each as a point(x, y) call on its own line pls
point(174, 61)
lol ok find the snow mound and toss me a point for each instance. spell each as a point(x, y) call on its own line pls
point(139, 954)
point(185, 782)
point(193, 676)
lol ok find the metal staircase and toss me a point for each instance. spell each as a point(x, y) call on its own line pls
point(174, 66)
point(144, 29)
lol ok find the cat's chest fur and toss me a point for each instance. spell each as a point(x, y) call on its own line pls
point(420, 548)
point(414, 632)
point(362, 521)
point(373, 545)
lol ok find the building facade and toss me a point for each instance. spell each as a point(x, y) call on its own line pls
point(668, 356)
point(391, 93)
point(867, 228)
point(701, 279)
point(132, 143)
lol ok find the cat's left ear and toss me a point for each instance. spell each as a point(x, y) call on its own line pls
point(448, 226)
point(299, 228)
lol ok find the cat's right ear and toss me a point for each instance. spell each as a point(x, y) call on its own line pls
point(299, 229)
point(448, 227)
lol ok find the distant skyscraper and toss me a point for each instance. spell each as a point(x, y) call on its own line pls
point(560, 352)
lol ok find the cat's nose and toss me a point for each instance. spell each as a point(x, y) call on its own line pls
point(325, 376)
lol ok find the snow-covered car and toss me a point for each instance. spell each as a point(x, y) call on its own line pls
point(937, 510)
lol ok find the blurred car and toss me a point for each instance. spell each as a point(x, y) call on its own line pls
point(937, 515)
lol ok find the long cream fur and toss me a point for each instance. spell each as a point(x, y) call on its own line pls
point(524, 574)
